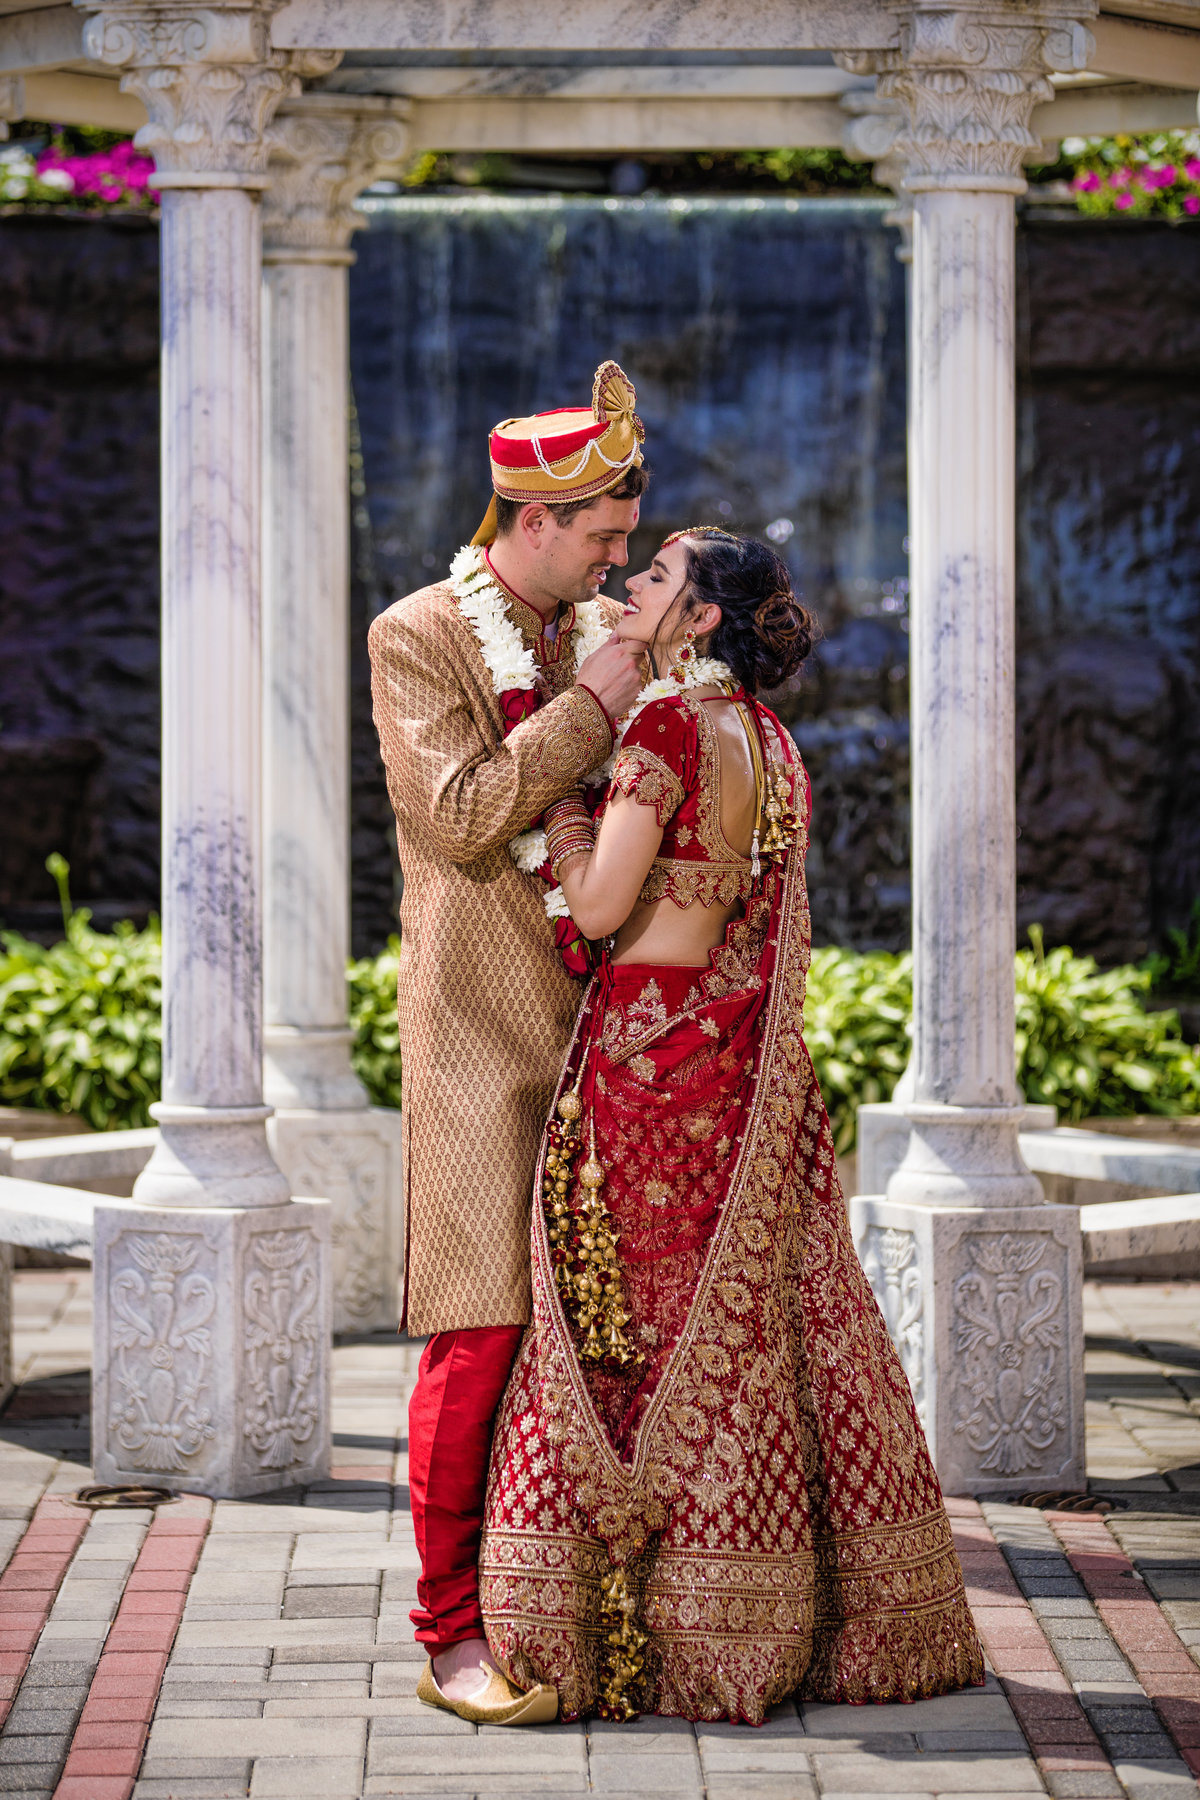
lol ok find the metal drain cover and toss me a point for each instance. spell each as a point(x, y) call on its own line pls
point(97, 1496)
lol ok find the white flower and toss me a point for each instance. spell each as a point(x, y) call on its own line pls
point(58, 178)
point(13, 188)
point(1074, 146)
point(529, 851)
point(482, 603)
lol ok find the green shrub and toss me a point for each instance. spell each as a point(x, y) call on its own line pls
point(79, 1028)
point(1084, 1042)
point(856, 1026)
point(1086, 1046)
point(376, 1048)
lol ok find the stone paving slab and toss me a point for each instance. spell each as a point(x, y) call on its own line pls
point(278, 1665)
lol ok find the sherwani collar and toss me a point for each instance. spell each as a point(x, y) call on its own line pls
point(532, 625)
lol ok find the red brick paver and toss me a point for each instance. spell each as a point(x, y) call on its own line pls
point(29, 1585)
point(1050, 1715)
point(1144, 1635)
point(106, 1750)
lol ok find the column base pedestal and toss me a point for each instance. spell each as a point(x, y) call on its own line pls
point(354, 1159)
point(212, 1346)
point(884, 1129)
point(985, 1307)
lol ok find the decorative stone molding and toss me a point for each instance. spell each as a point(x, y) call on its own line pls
point(874, 121)
point(968, 77)
point(208, 78)
point(323, 150)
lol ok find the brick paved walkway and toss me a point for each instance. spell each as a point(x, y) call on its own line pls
point(263, 1648)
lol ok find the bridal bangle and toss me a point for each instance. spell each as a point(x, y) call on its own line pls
point(569, 832)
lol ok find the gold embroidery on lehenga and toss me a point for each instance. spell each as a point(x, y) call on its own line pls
point(776, 1514)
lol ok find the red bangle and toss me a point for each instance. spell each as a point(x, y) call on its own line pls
point(608, 718)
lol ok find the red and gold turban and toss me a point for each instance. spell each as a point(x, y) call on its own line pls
point(573, 453)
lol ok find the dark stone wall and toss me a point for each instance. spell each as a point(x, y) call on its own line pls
point(767, 341)
point(1108, 679)
point(78, 563)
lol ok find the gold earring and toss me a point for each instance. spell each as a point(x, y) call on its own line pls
point(684, 657)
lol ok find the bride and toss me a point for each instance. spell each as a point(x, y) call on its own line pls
point(709, 1489)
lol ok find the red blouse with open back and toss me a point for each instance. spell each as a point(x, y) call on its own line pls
point(670, 759)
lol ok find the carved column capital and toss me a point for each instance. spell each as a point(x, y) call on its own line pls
point(208, 78)
point(968, 76)
point(323, 150)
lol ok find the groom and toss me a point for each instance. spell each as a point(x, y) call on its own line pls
point(495, 692)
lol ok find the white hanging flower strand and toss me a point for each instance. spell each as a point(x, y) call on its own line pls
point(482, 602)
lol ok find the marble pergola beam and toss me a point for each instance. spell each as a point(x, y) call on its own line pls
point(323, 149)
point(213, 1295)
point(654, 25)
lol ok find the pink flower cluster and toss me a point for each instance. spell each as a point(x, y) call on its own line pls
point(121, 173)
point(1122, 182)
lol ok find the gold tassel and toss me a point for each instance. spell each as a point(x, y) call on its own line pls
point(583, 1243)
point(624, 1646)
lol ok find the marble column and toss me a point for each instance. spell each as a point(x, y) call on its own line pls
point(212, 1329)
point(979, 1280)
point(324, 148)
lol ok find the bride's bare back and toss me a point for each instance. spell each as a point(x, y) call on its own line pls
point(606, 892)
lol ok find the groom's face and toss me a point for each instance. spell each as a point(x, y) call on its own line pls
point(575, 557)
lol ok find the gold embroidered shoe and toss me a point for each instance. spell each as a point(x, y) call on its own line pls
point(497, 1702)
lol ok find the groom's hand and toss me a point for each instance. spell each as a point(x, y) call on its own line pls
point(614, 675)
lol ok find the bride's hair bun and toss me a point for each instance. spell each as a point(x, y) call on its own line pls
point(765, 632)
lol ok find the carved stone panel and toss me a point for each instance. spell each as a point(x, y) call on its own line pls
point(890, 1260)
point(1008, 1337)
point(282, 1328)
point(984, 1305)
point(162, 1288)
point(351, 1159)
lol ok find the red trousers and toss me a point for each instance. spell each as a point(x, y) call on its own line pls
point(460, 1384)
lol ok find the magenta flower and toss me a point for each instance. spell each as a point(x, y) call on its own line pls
point(1120, 178)
point(1167, 175)
point(108, 175)
point(1191, 203)
point(1191, 168)
point(1123, 202)
point(1086, 182)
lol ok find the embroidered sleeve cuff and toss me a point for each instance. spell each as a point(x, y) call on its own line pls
point(608, 718)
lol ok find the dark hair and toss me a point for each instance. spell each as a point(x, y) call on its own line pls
point(765, 633)
point(631, 486)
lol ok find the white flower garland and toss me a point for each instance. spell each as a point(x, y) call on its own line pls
point(482, 602)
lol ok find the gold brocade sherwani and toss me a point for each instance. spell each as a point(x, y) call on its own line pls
point(486, 1007)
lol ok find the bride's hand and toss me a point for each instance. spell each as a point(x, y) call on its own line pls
point(613, 673)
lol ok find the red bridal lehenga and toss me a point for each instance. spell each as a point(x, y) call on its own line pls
point(745, 1507)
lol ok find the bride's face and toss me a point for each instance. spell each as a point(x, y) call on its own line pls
point(654, 611)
